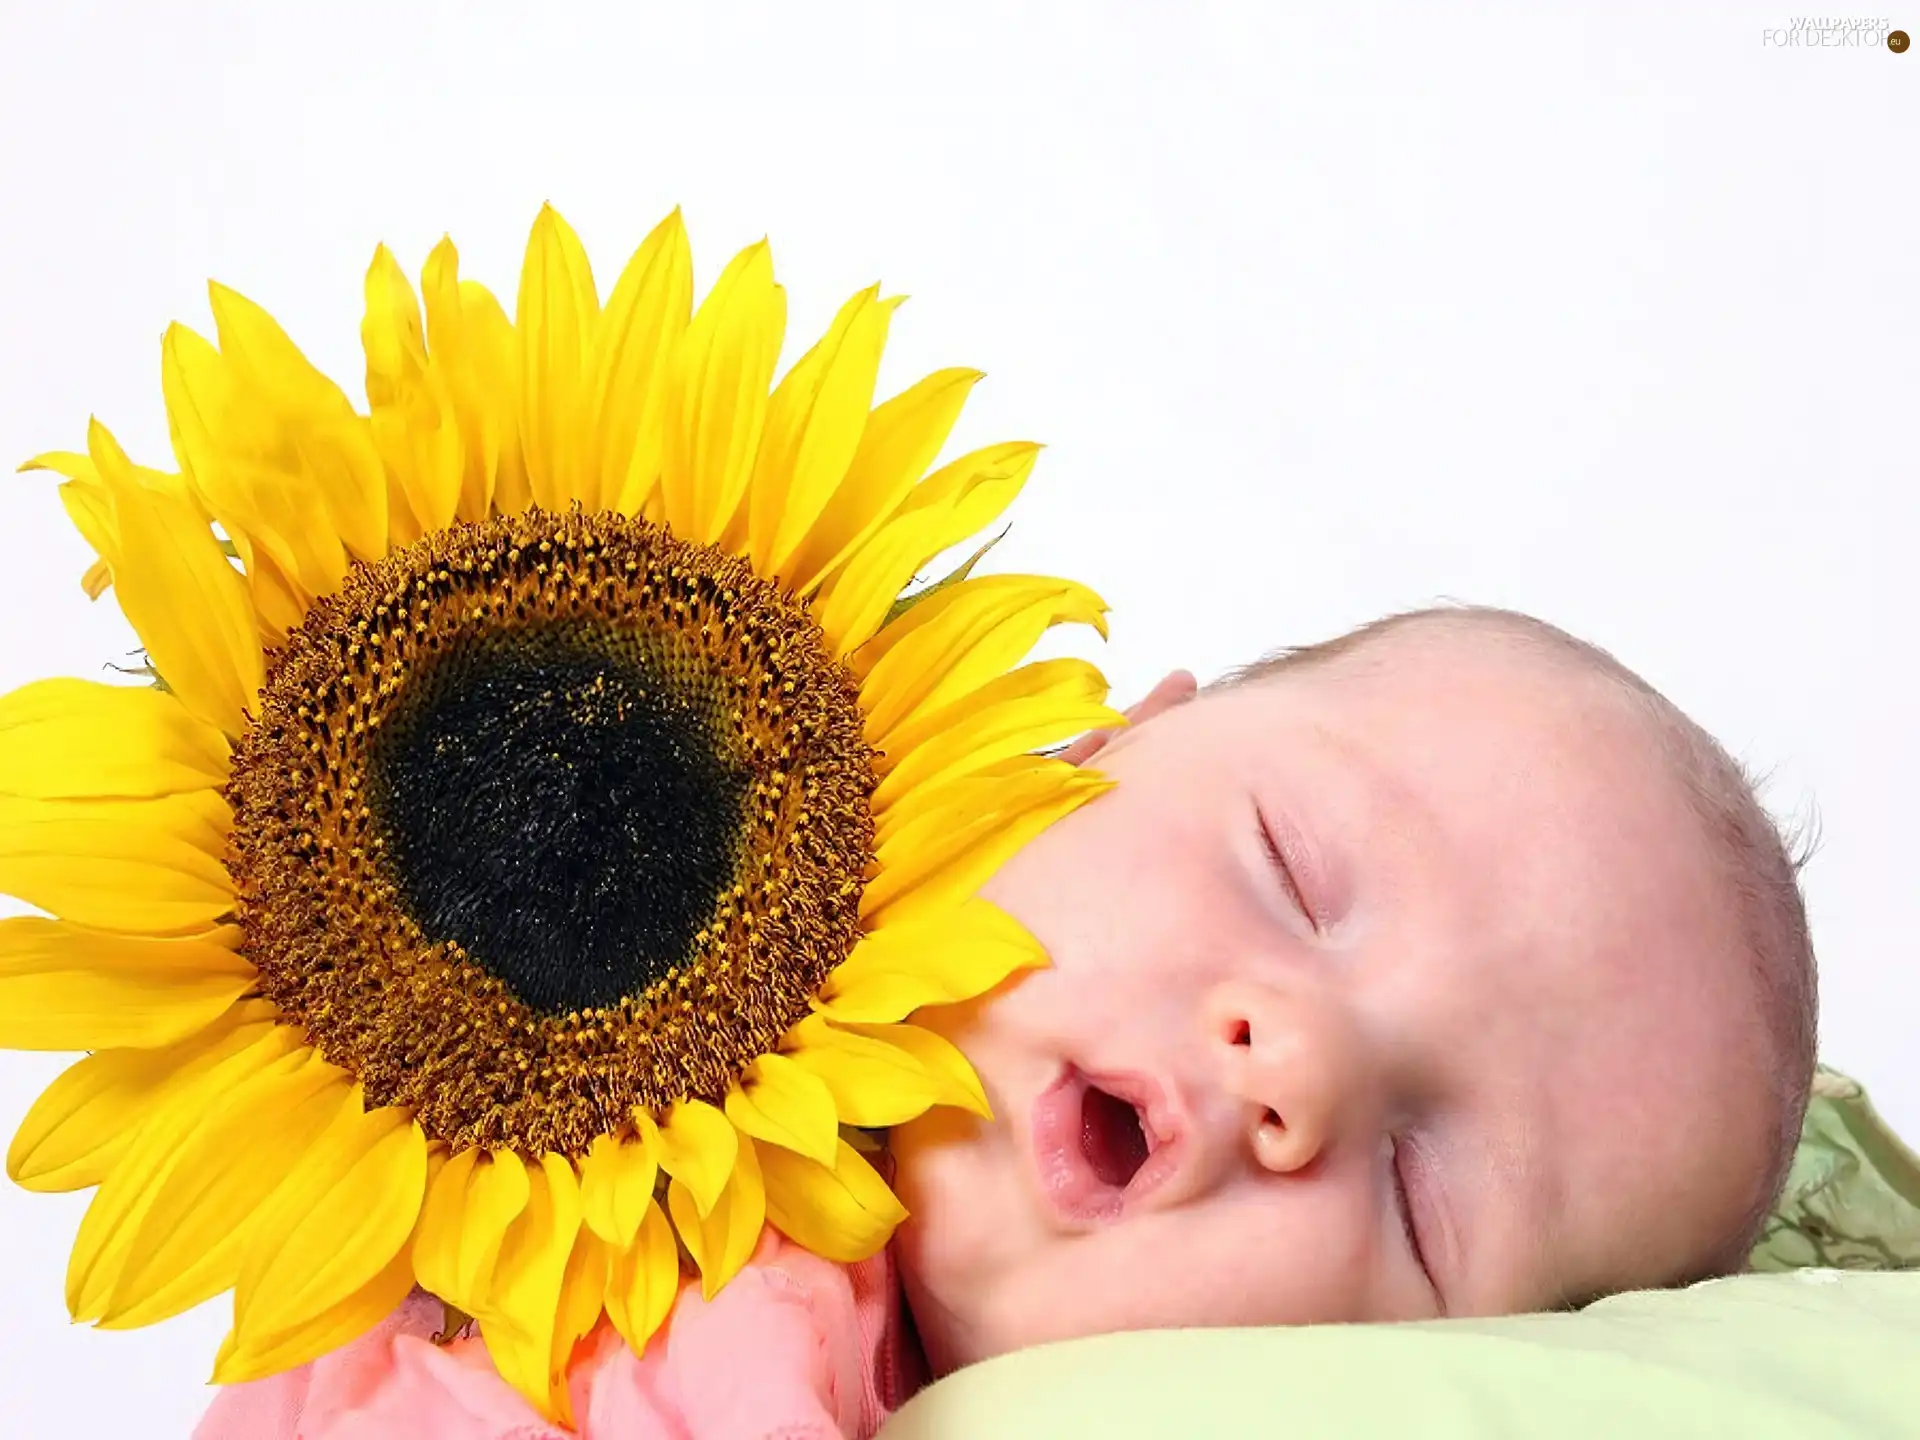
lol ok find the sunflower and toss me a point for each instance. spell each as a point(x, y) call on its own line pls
point(549, 807)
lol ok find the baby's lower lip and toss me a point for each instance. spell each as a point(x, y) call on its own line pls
point(1073, 1190)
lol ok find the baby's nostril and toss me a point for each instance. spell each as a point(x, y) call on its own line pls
point(1242, 1033)
point(1273, 1118)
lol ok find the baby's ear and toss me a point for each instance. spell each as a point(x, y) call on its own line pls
point(1176, 688)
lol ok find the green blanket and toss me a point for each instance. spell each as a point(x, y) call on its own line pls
point(1853, 1200)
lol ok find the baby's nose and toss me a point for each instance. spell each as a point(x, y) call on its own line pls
point(1288, 1057)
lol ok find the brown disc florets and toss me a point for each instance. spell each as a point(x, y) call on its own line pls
point(547, 818)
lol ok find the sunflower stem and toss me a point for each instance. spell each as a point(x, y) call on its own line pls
point(453, 1322)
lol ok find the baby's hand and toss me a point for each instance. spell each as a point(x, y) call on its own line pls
point(1174, 689)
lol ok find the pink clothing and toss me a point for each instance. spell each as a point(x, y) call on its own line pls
point(795, 1348)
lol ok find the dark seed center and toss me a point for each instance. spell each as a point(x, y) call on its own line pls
point(549, 819)
point(558, 809)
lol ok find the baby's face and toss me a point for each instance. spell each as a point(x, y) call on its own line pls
point(1391, 988)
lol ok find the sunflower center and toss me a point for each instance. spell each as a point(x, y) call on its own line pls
point(547, 819)
point(557, 811)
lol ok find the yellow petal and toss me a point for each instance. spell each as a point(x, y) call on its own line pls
point(138, 865)
point(940, 958)
point(451, 347)
point(935, 863)
point(82, 1124)
point(229, 454)
point(345, 1209)
point(556, 318)
point(469, 334)
point(697, 1146)
point(649, 1132)
point(90, 508)
point(899, 441)
point(188, 1245)
point(814, 423)
point(854, 603)
point(722, 1240)
point(939, 513)
point(1012, 715)
point(718, 404)
point(64, 987)
point(72, 738)
point(89, 504)
point(974, 490)
point(929, 813)
point(112, 1221)
point(97, 578)
point(244, 470)
point(522, 1311)
point(952, 643)
point(616, 1187)
point(939, 1057)
point(780, 1102)
point(69, 464)
point(583, 1293)
point(279, 603)
point(322, 447)
point(633, 346)
point(416, 424)
point(436, 1242)
point(187, 604)
point(841, 1211)
point(789, 411)
point(325, 1333)
point(874, 1084)
point(488, 335)
point(469, 1208)
point(645, 1280)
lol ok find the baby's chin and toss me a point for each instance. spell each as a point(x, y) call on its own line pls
point(934, 1284)
point(952, 1336)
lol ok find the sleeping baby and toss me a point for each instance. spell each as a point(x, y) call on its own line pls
point(1443, 969)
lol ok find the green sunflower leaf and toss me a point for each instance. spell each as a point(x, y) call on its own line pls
point(908, 601)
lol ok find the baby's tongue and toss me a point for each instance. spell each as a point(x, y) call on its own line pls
point(1110, 1137)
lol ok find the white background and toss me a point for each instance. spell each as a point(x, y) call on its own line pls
point(1613, 316)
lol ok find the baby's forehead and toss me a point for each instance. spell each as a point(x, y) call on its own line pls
point(1480, 692)
point(1528, 784)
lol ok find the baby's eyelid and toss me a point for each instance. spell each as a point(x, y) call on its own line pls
point(1276, 855)
point(1403, 1203)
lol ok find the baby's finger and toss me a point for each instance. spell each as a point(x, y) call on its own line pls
point(1086, 746)
point(1174, 689)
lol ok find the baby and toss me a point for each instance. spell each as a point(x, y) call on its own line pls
point(1442, 969)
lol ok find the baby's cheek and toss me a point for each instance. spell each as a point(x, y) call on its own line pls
point(1287, 1251)
point(958, 1215)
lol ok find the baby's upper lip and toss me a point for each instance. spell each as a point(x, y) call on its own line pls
point(1076, 1195)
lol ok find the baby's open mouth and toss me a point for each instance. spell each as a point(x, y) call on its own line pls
point(1112, 1136)
point(1102, 1143)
